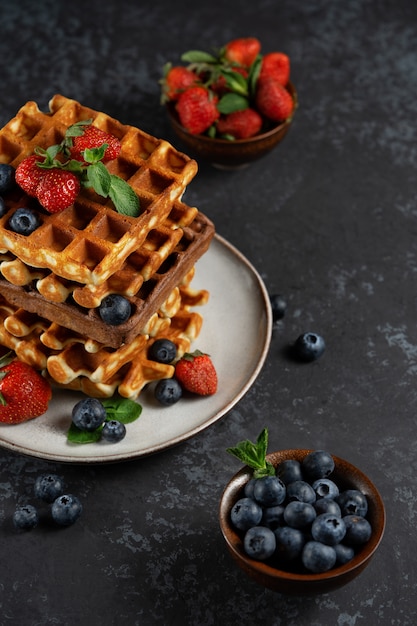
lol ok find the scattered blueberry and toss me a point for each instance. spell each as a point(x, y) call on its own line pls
point(317, 464)
point(168, 391)
point(3, 207)
point(278, 306)
point(115, 309)
point(66, 509)
point(24, 221)
point(300, 490)
point(318, 557)
point(325, 488)
point(162, 351)
point(329, 529)
point(358, 530)
point(352, 502)
point(269, 491)
point(245, 513)
point(113, 431)
point(88, 414)
point(25, 517)
point(7, 177)
point(309, 346)
point(48, 487)
point(259, 543)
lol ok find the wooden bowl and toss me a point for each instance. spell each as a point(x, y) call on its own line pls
point(226, 154)
point(347, 477)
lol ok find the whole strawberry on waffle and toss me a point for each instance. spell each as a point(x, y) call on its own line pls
point(97, 248)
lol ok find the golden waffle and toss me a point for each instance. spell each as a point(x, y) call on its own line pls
point(90, 240)
point(151, 294)
point(76, 362)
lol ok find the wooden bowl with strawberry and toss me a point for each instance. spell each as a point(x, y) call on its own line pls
point(232, 107)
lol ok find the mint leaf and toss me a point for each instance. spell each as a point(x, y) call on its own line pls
point(99, 178)
point(77, 129)
point(198, 56)
point(231, 102)
point(75, 435)
point(122, 409)
point(236, 82)
point(123, 197)
point(94, 155)
point(254, 75)
point(254, 455)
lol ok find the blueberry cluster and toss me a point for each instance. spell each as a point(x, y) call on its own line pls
point(299, 519)
point(65, 509)
point(167, 390)
point(89, 415)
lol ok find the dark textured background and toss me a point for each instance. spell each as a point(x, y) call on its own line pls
point(330, 220)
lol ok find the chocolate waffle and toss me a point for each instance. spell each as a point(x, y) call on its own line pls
point(90, 240)
point(71, 360)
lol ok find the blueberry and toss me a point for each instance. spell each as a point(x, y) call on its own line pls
point(317, 557)
point(168, 391)
point(269, 491)
point(66, 509)
point(115, 309)
point(259, 543)
point(7, 177)
point(299, 514)
point(273, 516)
point(325, 488)
point(327, 505)
point(162, 351)
point(352, 502)
point(25, 517)
point(358, 530)
point(278, 306)
point(289, 471)
point(289, 543)
point(24, 221)
point(318, 464)
point(113, 431)
point(3, 207)
point(245, 513)
point(48, 487)
point(329, 529)
point(88, 414)
point(249, 488)
point(344, 553)
point(300, 490)
point(309, 346)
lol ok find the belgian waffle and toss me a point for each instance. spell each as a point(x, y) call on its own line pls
point(89, 241)
point(71, 360)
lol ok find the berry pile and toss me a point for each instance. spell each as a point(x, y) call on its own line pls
point(65, 508)
point(295, 517)
point(94, 420)
point(234, 94)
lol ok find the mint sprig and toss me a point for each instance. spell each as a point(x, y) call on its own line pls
point(92, 172)
point(254, 455)
point(122, 409)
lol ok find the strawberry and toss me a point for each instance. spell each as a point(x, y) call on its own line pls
point(242, 51)
point(57, 189)
point(197, 109)
point(240, 124)
point(196, 373)
point(177, 80)
point(94, 137)
point(24, 393)
point(29, 174)
point(276, 65)
point(273, 100)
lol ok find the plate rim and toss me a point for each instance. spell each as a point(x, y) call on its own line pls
point(180, 438)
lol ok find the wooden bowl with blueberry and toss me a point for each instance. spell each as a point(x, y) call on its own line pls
point(232, 106)
point(300, 522)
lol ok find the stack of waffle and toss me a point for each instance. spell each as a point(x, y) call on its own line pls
point(53, 280)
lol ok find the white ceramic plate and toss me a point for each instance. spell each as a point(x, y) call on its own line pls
point(236, 333)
